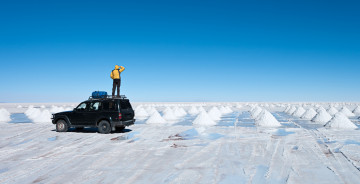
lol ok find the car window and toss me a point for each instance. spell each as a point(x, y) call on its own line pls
point(82, 106)
point(109, 105)
point(112, 106)
point(125, 104)
point(95, 106)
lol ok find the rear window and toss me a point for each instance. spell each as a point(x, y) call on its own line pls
point(109, 106)
point(125, 104)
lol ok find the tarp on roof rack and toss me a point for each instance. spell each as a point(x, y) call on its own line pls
point(99, 94)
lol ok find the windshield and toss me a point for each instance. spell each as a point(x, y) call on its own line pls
point(81, 107)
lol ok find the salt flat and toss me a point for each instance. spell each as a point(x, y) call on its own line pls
point(233, 151)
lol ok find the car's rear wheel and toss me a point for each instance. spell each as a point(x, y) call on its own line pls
point(62, 126)
point(104, 127)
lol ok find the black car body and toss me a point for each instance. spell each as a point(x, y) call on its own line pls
point(108, 114)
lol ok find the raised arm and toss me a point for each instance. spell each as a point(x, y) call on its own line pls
point(112, 75)
point(122, 68)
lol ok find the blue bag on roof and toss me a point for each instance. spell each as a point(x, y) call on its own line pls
point(99, 94)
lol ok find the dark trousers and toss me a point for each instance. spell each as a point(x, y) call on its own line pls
point(116, 84)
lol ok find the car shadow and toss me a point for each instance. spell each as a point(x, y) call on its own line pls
point(94, 130)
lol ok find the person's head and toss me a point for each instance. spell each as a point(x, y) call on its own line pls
point(116, 67)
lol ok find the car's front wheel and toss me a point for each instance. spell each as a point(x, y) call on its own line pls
point(62, 126)
point(104, 127)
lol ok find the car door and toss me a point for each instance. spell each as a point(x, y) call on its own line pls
point(93, 114)
point(78, 115)
point(126, 110)
point(110, 110)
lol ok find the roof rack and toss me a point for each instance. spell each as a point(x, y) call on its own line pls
point(108, 97)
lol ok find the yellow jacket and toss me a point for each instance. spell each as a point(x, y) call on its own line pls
point(115, 74)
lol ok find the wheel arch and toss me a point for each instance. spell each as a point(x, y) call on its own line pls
point(65, 118)
point(103, 118)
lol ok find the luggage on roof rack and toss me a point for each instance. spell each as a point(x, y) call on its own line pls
point(99, 94)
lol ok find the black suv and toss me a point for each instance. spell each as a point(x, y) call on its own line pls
point(108, 114)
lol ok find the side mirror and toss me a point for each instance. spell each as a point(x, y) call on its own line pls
point(74, 109)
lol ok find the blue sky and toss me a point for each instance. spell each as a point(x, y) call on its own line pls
point(61, 51)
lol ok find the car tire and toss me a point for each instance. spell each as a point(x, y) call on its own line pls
point(62, 126)
point(104, 127)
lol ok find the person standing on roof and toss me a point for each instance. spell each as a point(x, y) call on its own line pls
point(115, 75)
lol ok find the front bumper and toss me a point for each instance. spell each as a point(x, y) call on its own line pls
point(123, 123)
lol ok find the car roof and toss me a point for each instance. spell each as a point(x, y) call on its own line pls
point(108, 98)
